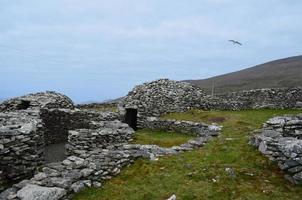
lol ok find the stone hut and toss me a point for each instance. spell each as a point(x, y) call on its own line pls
point(48, 100)
point(162, 96)
point(34, 125)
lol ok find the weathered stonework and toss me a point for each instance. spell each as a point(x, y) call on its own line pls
point(97, 143)
point(188, 127)
point(89, 167)
point(103, 134)
point(275, 98)
point(165, 96)
point(162, 96)
point(37, 101)
point(21, 144)
point(281, 141)
point(57, 122)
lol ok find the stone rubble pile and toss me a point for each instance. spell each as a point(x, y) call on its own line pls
point(37, 101)
point(281, 141)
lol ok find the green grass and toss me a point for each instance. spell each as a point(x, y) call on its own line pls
point(200, 174)
point(160, 138)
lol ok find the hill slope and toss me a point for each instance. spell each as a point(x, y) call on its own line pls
point(280, 73)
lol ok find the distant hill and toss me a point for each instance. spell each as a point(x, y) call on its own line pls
point(279, 73)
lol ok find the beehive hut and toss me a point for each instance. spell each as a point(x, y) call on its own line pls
point(39, 100)
point(160, 97)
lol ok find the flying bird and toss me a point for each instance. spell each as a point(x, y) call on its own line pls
point(235, 42)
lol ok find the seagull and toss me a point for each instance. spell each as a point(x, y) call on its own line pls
point(235, 42)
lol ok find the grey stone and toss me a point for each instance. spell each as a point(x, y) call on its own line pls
point(35, 192)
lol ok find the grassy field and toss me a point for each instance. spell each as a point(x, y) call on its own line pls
point(202, 174)
point(160, 138)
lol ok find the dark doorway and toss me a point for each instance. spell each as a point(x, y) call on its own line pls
point(23, 105)
point(131, 118)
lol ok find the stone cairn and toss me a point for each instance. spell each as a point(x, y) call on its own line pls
point(280, 140)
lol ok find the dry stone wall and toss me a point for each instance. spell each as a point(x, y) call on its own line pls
point(25, 132)
point(188, 127)
point(21, 145)
point(281, 141)
point(57, 122)
point(91, 166)
point(277, 98)
point(103, 134)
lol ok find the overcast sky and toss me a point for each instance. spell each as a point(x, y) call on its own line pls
point(99, 49)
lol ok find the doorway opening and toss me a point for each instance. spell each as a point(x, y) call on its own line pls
point(131, 118)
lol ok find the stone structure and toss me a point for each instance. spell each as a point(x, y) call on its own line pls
point(57, 122)
point(103, 134)
point(26, 132)
point(88, 167)
point(162, 96)
point(37, 101)
point(21, 145)
point(187, 127)
point(281, 141)
point(97, 143)
point(277, 98)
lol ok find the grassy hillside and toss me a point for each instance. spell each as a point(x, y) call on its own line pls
point(225, 168)
point(280, 73)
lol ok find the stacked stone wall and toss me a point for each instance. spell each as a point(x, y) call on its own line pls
point(89, 167)
point(278, 98)
point(57, 122)
point(101, 135)
point(281, 141)
point(188, 127)
point(21, 145)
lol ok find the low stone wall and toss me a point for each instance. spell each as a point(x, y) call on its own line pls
point(188, 127)
point(21, 145)
point(275, 98)
point(281, 141)
point(102, 135)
